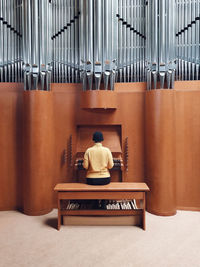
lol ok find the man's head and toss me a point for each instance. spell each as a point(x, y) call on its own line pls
point(97, 137)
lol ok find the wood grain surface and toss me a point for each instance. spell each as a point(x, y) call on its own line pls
point(160, 152)
point(38, 148)
point(162, 127)
point(11, 99)
point(109, 187)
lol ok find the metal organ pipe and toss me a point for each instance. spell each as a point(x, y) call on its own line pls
point(10, 40)
point(98, 53)
point(36, 44)
point(99, 42)
point(161, 42)
point(98, 30)
point(187, 37)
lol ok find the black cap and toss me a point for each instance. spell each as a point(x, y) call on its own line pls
point(97, 137)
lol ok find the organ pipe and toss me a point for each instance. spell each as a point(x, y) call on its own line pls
point(99, 42)
point(36, 44)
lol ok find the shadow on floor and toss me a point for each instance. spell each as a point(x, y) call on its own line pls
point(52, 222)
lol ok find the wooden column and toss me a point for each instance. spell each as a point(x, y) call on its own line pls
point(160, 151)
point(11, 96)
point(38, 149)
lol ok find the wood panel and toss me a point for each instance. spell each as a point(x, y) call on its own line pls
point(111, 134)
point(11, 96)
point(66, 106)
point(188, 149)
point(187, 85)
point(160, 151)
point(78, 187)
point(38, 148)
point(129, 116)
point(98, 99)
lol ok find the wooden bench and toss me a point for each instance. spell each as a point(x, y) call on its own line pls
point(112, 191)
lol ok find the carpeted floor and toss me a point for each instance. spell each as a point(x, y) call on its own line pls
point(34, 242)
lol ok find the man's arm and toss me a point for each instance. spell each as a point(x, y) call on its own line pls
point(86, 161)
point(110, 160)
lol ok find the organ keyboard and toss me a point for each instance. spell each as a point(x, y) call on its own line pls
point(118, 164)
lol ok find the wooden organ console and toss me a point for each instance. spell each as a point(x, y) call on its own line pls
point(127, 68)
point(112, 139)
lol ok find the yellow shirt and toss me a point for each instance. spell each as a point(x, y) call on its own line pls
point(97, 160)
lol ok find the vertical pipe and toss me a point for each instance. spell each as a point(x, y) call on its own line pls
point(42, 36)
point(182, 40)
point(20, 43)
point(28, 18)
point(197, 36)
point(162, 56)
point(5, 51)
point(1, 41)
point(124, 11)
point(56, 40)
point(120, 41)
point(76, 29)
point(49, 46)
point(185, 41)
point(177, 40)
point(61, 42)
point(193, 56)
point(131, 39)
point(128, 25)
point(72, 39)
point(172, 41)
point(98, 42)
point(89, 42)
point(12, 39)
point(189, 40)
point(8, 11)
point(82, 37)
point(35, 41)
point(69, 41)
point(154, 42)
point(53, 40)
point(148, 44)
point(137, 40)
point(107, 42)
point(114, 47)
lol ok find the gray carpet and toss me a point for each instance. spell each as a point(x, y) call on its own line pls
point(33, 241)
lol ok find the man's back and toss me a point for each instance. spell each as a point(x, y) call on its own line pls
point(97, 160)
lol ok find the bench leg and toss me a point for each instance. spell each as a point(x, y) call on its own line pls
point(143, 221)
point(59, 215)
point(59, 221)
point(143, 215)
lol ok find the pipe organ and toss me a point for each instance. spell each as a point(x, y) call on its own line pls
point(69, 68)
point(99, 42)
point(11, 41)
point(187, 40)
point(37, 55)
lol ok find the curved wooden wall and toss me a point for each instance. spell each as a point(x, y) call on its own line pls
point(38, 148)
point(160, 151)
point(11, 97)
point(171, 145)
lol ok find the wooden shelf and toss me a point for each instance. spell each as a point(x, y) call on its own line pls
point(102, 212)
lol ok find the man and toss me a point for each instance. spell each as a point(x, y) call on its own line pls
point(97, 161)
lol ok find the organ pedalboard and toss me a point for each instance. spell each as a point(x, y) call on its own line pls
point(100, 204)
